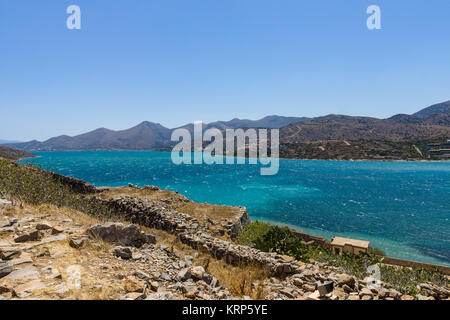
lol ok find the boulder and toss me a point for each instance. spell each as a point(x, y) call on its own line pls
point(184, 274)
point(43, 226)
point(197, 272)
point(122, 252)
point(134, 284)
point(29, 272)
point(56, 230)
point(77, 243)
point(6, 285)
point(5, 269)
point(26, 289)
point(51, 273)
point(365, 292)
point(129, 235)
point(325, 288)
point(165, 276)
point(29, 236)
point(8, 254)
point(345, 279)
point(141, 275)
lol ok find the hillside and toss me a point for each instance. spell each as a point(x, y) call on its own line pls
point(12, 154)
point(145, 136)
point(439, 108)
point(339, 127)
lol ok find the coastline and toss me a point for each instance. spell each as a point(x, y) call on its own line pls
point(280, 158)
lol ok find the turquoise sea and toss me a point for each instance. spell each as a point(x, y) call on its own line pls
point(403, 208)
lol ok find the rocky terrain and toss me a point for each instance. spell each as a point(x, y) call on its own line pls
point(150, 250)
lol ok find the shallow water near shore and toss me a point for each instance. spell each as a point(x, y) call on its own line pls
point(403, 208)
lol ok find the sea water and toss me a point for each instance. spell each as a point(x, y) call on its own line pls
point(403, 208)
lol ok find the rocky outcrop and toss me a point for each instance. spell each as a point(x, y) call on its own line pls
point(234, 226)
point(5, 269)
point(129, 235)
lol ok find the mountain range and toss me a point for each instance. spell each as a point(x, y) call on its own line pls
point(428, 123)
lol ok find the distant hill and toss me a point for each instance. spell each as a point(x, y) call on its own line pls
point(339, 127)
point(269, 122)
point(438, 114)
point(440, 108)
point(12, 154)
point(428, 123)
point(145, 136)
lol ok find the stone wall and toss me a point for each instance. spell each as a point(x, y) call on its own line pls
point(190, 232)
point(414, 264)
point(237, 224)
point(76, 185)
point(309, 238)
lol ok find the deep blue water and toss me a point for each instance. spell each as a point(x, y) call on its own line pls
point(402, 208)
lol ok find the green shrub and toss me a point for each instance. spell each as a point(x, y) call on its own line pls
point(282, 240)
point(252, 232)
point(377, 252)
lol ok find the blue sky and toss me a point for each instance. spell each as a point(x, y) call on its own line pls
point(174, 62)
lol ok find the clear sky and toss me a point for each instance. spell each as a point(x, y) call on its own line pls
point(174, 62)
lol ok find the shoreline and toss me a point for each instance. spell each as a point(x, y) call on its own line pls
point(334, 160)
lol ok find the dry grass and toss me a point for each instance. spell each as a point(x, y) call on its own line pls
point(155, 195)
point(198, 210)
point(242, 280)
point(214, 212)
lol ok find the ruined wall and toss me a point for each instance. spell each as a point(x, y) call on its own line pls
point(76, 185)
point(191, 232)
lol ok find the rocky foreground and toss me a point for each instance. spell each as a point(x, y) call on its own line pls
point(56, 253)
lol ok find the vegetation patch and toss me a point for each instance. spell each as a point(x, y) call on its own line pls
point(282, 240)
